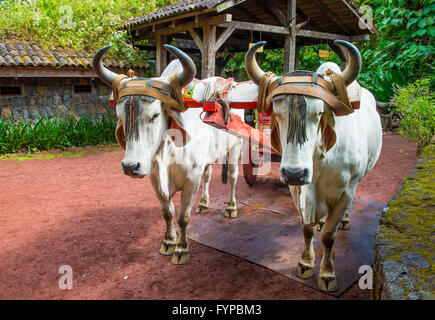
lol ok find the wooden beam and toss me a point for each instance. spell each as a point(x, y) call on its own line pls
point(331, 16)
point(255, 27)
point(290, 40)
point(372, 30)
point(208, 67)
point(161, 54)
point(228, 4)
point(201, 21)
point(196, 38)
point(359, 37)
point(321, 35)
point(223, 37)
point(297, 60)
point(275, 11)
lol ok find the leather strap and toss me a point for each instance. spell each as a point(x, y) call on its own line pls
point(148, 87)
point(334, 94)
point(262, 106)
point(305, 79)
point(312, 91)
point(115, 85)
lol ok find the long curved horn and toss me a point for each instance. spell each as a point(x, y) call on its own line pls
point(251, 65)
point(189, 69)
point(353, 61)
point(105, 74)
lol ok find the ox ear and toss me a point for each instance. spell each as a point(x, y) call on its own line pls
point(328, 134)
point(119, 134)
point(176, 128)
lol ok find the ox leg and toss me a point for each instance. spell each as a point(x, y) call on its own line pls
point(233, 173)
point(305, 268)
point(345, 222)
point(181, 254)
point(168, 245)
point(204, 203)
point(321, 223)
point(327, 280)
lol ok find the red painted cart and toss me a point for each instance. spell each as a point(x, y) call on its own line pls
point(254, 130)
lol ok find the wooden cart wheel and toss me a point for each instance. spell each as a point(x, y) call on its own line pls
point(248, 168)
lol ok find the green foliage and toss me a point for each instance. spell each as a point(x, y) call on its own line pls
point(46, 133)
point(272, 60)
point(403, 51)
point(417, 103)
point(84, 25)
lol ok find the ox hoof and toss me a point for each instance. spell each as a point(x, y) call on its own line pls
point(327, 283)
point(344, 225)
point(201, 209)
point(304, 271)
point(181, 257)
point(231, 213)
point(167, 248)
point(319, 226)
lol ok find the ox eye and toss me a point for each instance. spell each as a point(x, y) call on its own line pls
point(155, 116)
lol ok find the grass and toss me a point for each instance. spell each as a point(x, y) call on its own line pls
point(56, 133)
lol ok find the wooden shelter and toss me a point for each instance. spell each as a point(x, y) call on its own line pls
point(215, 26)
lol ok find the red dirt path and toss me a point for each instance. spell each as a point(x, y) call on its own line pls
point(85, 213)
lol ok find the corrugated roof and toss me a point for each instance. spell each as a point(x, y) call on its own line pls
point(176, 9)
point(22, 53)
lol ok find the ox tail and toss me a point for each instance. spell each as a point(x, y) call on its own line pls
point(224, 175)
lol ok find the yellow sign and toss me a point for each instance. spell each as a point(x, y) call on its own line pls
point(324, 53)
point(259, 50)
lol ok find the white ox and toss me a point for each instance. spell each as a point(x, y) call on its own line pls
point(323, 173)
point(173, 168)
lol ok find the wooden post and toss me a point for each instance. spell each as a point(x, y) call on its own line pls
point(161, 55)
point(290, 40)
point(208, 53)
point(297, 61)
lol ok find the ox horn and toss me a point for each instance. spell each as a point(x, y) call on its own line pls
point(189, 69)
point(251, 65)
point(353, 66)
point(105, 74)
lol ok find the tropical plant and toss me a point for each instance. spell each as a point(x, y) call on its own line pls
point(272, 60)
point(55, 133)
point(403, 51)
point(417, 103)
point(85, 25)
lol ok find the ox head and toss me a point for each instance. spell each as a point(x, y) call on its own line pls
point(306, 124)
point(144, 120)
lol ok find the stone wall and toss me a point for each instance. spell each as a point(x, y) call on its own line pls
point(55, 97)
point(404, 265)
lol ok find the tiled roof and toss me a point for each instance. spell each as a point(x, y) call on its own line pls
point(340, 8)
point(175, 9)
point(22, 53)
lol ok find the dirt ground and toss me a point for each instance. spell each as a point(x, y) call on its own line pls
point(83, 212)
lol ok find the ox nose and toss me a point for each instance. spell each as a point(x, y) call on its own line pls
point(294, 176)
point(130, 169)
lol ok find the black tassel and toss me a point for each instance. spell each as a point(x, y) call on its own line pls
point(132, 118)
point(297, 119)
